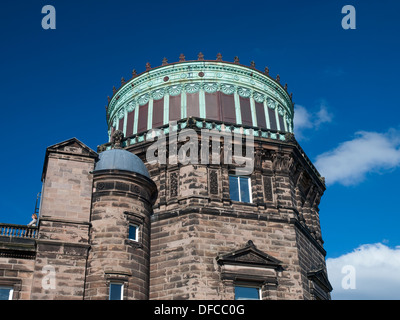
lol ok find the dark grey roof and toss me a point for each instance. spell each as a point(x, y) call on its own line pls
point(120, 159)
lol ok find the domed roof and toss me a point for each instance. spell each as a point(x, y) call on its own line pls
point(216, 90)
point(120, 159)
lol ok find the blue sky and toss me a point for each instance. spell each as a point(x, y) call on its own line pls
point(54, 86)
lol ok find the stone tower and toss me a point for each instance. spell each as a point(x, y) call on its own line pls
point(217, 227)
point(120, 234)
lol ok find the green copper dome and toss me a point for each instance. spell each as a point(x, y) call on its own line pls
point(214, 90)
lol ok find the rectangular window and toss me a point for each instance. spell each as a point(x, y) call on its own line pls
point(6, 293)
point(158, 113)
point(142, 121)
point(247, 293)
point(129, 124)
point(192, 104)
point(174, 108)
point(246, 111)
point(240, 188)
point(121, 125)
point(116, 291)
point(260, 113)
point(212, 106)
point(133, 232)
point(228, 107)
point(272, 119)
point(281, 123)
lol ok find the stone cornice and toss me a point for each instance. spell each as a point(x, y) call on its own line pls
point(273, 137)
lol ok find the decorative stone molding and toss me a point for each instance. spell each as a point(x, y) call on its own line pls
point(228, 88)
point(258, 97)
point(268, 192)
point(249, 265)
point(213, 182)
point(271, 103)
point(244, 92)
point(173, 184)
point(282, 162)
point(117, 138)
point(210, 87)
point(175, 90)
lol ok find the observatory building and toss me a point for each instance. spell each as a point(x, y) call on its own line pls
point(201, 192)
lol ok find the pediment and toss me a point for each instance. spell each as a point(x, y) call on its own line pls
point(68, 147)
point(320, 277)
point(249, 256)
point(72, 146)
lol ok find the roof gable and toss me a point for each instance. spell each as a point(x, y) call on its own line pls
point(249, 256)
point(320, 277)
point(72, 146)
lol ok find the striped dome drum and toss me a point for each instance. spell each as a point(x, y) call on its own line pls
point(215, 90)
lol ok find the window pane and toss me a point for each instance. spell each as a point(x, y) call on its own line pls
point(260, 113)
point(272, 119)
point(158, 113)
point(228, 107)
point(247, 293)
point(246, 111)
point(133, 232)
point(281, 123)
point(116, 291)
point(244, 189)
point(174, 107)
point(192, 104)
point(129, 124)
point(5, 293)
point(234, 188)
point(212, 106)
point(142, 120)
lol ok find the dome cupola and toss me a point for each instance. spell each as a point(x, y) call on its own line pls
point(223, 92)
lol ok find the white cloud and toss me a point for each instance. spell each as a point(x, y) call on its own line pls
point(370, 272)
point(352, 160)
point(303, 119)
point(323, 116)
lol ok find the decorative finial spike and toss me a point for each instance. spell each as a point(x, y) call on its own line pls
point(164, 61)
point(134, 74)
point(236, 59)
point(291, 95)
point(122, 81)
point(114, 90)
point(252, 64)
point(286, 86)
point(250, 244)
point(266, 71)
point(182, 57)
point(109, 99)
point(148, 66)
point(219, 57)
point(200, 56)
point(278, 78)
